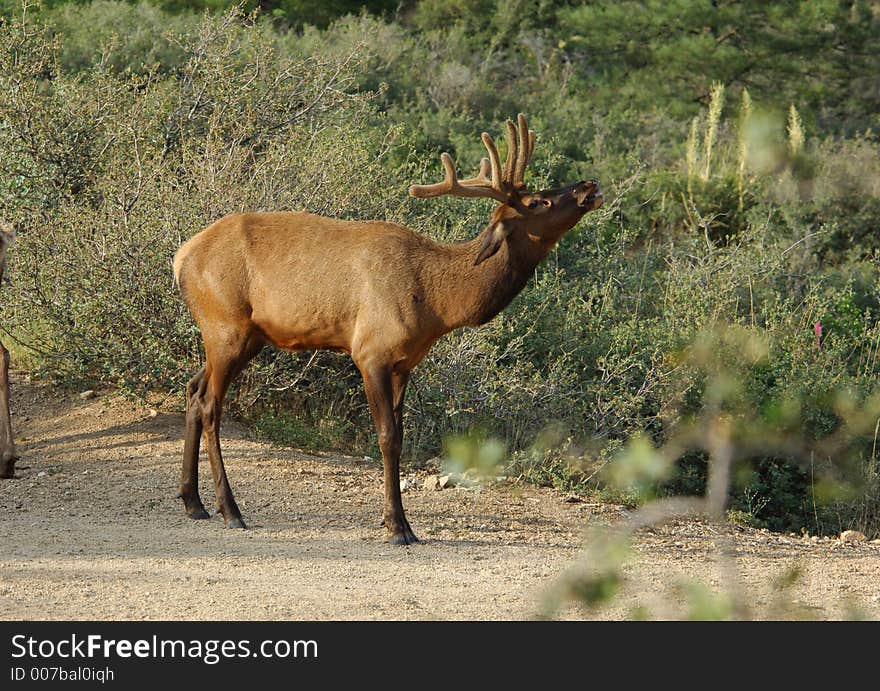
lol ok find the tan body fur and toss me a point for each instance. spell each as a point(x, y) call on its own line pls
point(391, 295)
point(376, 290)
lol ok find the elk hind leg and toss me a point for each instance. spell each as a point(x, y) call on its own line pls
point(226, 358)
point(189, 477)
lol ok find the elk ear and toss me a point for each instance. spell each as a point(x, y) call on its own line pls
point(492, 243)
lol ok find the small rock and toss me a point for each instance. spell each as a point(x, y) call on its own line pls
point(42, 473)
point(573, 500)
point(368, 459)
point(852, 536)
point(87, 394)
point(432, 482)
point(446, 481)
point(407, 484)
point(152, 412)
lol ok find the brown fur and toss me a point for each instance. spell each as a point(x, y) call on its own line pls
point(376, 290)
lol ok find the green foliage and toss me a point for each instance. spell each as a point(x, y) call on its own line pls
point(597, 579)
point(121, 37)
point(705, 605)
point(668, 53)
point(474, 452)
point(118, 169)
point(126, 128)
point(300, 432)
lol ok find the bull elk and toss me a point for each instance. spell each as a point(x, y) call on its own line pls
point(7, 442)
point(375, 290)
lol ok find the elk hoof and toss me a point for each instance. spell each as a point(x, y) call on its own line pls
point(399, 532)
point(235, 522)
point(7, 465)
point(406, 537)
point(403, 539)
point(193, 506)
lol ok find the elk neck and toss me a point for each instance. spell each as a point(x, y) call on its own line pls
point(463, 294)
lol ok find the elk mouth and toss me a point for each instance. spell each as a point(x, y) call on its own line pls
point(592, 201)
point(592, 198)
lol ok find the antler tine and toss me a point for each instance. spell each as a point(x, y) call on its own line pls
point(493, 159)
point(438, 188)
point(489, 182)
point(482, 176)
point(511, 152)
point(451, 184)
point(526, 148)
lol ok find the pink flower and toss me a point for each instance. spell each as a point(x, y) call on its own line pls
point(817, 328)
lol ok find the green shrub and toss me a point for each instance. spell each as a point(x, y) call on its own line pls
point(108, 173)
point(125, 129)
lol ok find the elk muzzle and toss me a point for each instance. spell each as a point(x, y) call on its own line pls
point(588, 195)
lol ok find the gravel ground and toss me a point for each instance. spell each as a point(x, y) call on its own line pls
point(91, 529)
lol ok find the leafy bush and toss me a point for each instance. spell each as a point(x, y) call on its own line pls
point(116, 170)
point(720, 216)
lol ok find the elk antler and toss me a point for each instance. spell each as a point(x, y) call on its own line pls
point(526, 149)
point(505, 188)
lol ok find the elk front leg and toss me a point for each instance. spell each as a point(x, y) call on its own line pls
point(7, 441)
point(381, 395)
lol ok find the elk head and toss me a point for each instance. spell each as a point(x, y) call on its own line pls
point(539, 217)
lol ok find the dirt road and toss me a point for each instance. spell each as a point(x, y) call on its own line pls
point(91, 529)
